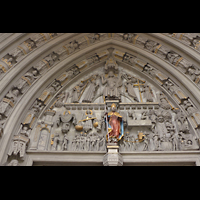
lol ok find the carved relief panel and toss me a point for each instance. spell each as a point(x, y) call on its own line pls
point(150, 121)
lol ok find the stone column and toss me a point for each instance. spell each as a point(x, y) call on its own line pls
point(112, 157)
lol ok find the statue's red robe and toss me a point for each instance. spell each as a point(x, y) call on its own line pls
point(114, 125)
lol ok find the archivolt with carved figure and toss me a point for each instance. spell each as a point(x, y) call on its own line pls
point(111, 98)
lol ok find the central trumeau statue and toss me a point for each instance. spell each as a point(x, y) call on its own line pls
point(115, 125)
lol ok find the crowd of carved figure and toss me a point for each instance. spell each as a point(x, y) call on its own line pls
point(81, 142)
point(167, 130)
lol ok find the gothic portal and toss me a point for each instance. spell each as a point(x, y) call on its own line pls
point(99, 99)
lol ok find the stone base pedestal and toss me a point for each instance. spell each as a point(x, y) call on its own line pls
point(113, 157)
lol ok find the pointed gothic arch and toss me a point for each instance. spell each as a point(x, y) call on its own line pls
point(52, 58)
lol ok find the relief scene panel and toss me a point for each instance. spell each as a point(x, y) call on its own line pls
point(112, 104)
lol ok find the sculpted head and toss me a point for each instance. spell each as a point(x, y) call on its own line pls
point(113, 107)
point(110, 74)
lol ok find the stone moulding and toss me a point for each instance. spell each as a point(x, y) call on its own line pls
point(129, 158)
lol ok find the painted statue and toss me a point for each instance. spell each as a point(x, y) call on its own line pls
point(115, 125)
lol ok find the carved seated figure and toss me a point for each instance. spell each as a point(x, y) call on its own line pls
point(111, 90)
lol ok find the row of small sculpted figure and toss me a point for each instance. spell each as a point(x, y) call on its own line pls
point(83, 142)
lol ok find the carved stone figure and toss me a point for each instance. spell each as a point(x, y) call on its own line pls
point(76, 92)
point(184, 65)
point(93, 37)
point(65, 76)
point(160, 128)
point(129, 58)
point(5, 107)
point(196, 43)
point(173, 57)
point(185, 37)
point(55, 141)
point(41, 38)
point(73, 46)
point(88, 121)
point(129, 37)
point(55, 86)
point(156, 141)
point(187, 142)
point(170, 86)
point(89, 95)
point(164, 102)
point(18, 53)
point(102, 144)
point(115, 125)
point(150, 45)
point(25, 81)
point(161, 51)
point(174, 139)
point(97, 143)
point(44, 64)
point(111, 65)
point(18, 145)
point(132, 114)
point(65, 143)
point(146, 143)
point(188, 107)
point(149, 70)
point(6, 63)
point(93, 59)
point(144, 115)
point(147, 93)
point(37, 107)
point(111, 90)
point(130, 87)
point(88, 142)
point(182, 122)
point(61, 100)
point(165, 143)
point(178, 61)
point(46, 94)
point(65, 119)
point(194, 74)
point(139, 41)
point(25, 131)
point(13, 94)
